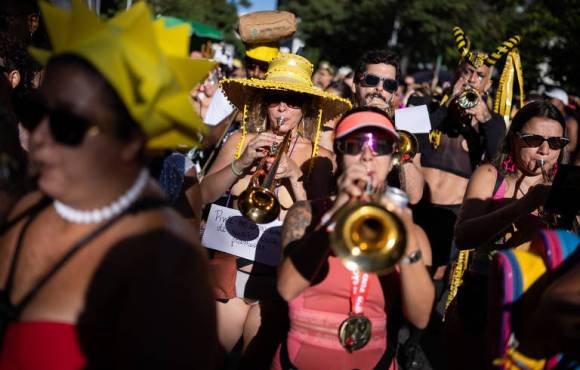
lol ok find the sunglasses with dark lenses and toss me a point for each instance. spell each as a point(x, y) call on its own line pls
point(355, 146)
point(251, 65)
point(66, 128)
point(371, 80)
point(292, 100)
point(534, 141)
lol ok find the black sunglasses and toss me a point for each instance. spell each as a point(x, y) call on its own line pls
point(534, 141)
point(371, 80)
point(292, 100)
point(66, 128)
point(251, 65)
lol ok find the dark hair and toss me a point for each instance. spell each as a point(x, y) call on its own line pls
point(123, 125)
point(537, 108)
point(382, 56)
point(12, 52)
point(13, 162)
point(342, 88)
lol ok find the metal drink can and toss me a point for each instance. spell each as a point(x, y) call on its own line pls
point(397, 196)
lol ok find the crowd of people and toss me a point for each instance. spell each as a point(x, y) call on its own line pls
point(121, 154)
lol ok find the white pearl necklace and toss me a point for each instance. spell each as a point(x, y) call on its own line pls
point(105, 213)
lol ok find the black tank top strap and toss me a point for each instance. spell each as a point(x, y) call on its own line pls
point(141, 205)
point(32, 210)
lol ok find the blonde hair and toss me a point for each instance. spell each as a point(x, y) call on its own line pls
point(257, 119)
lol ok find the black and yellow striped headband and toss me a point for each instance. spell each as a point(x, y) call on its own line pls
point(476, 58)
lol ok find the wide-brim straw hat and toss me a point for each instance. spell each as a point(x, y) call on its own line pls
point(286, 72)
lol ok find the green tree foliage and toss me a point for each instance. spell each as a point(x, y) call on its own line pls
point(341, 30)
point(221, 14)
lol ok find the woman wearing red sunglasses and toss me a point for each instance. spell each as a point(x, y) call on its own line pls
point(321, 291)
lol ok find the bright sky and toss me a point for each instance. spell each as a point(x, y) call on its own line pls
point(258, 5)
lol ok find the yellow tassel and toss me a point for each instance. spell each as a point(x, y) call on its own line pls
point(514, 360)
point(240, 146)
point(315, 146)
point(504, 96)
point(435, 138)
point(457, 276)
point(519, 75)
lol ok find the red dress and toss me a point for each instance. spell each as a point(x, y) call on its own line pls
point(34, 345)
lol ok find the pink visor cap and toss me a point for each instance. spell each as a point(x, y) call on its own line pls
point(358, 120)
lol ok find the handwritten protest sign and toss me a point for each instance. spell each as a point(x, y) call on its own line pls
point(228, 231)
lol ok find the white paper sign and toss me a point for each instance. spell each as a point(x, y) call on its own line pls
point(228, 231)
point(413, 119)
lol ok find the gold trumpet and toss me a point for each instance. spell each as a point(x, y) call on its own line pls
point(467, 99)
point(367, 236)
point(258, 202)
point(407, 148)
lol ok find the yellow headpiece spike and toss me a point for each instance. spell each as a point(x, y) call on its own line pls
point(461, 41)
point(173, 41)
point(146, 63)
point(502, 50)
point(57, 24)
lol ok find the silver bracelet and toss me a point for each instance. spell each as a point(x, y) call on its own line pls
point(234, 170)
point(414, 257)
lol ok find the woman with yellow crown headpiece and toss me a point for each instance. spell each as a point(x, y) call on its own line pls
point(285, 102)
point(96, 271)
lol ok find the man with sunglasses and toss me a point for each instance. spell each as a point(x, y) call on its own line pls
point(376, 84)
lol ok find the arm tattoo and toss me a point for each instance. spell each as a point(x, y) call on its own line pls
point(296, 222)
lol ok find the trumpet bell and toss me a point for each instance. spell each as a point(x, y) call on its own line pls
point(408, 147)
point(467, 99)
point(368, 237)
point(408, 142)
point(259, 204)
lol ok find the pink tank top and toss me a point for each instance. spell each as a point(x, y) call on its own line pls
point(315, 317)
point(500, 192)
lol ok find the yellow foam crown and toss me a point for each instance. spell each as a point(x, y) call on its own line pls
point(146, 63)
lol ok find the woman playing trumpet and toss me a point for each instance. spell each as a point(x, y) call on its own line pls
point(316, 284)
point(284, 102)
point(502, 209)
point(504, 197)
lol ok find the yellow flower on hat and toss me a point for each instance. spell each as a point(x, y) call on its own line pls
point(146, 63)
